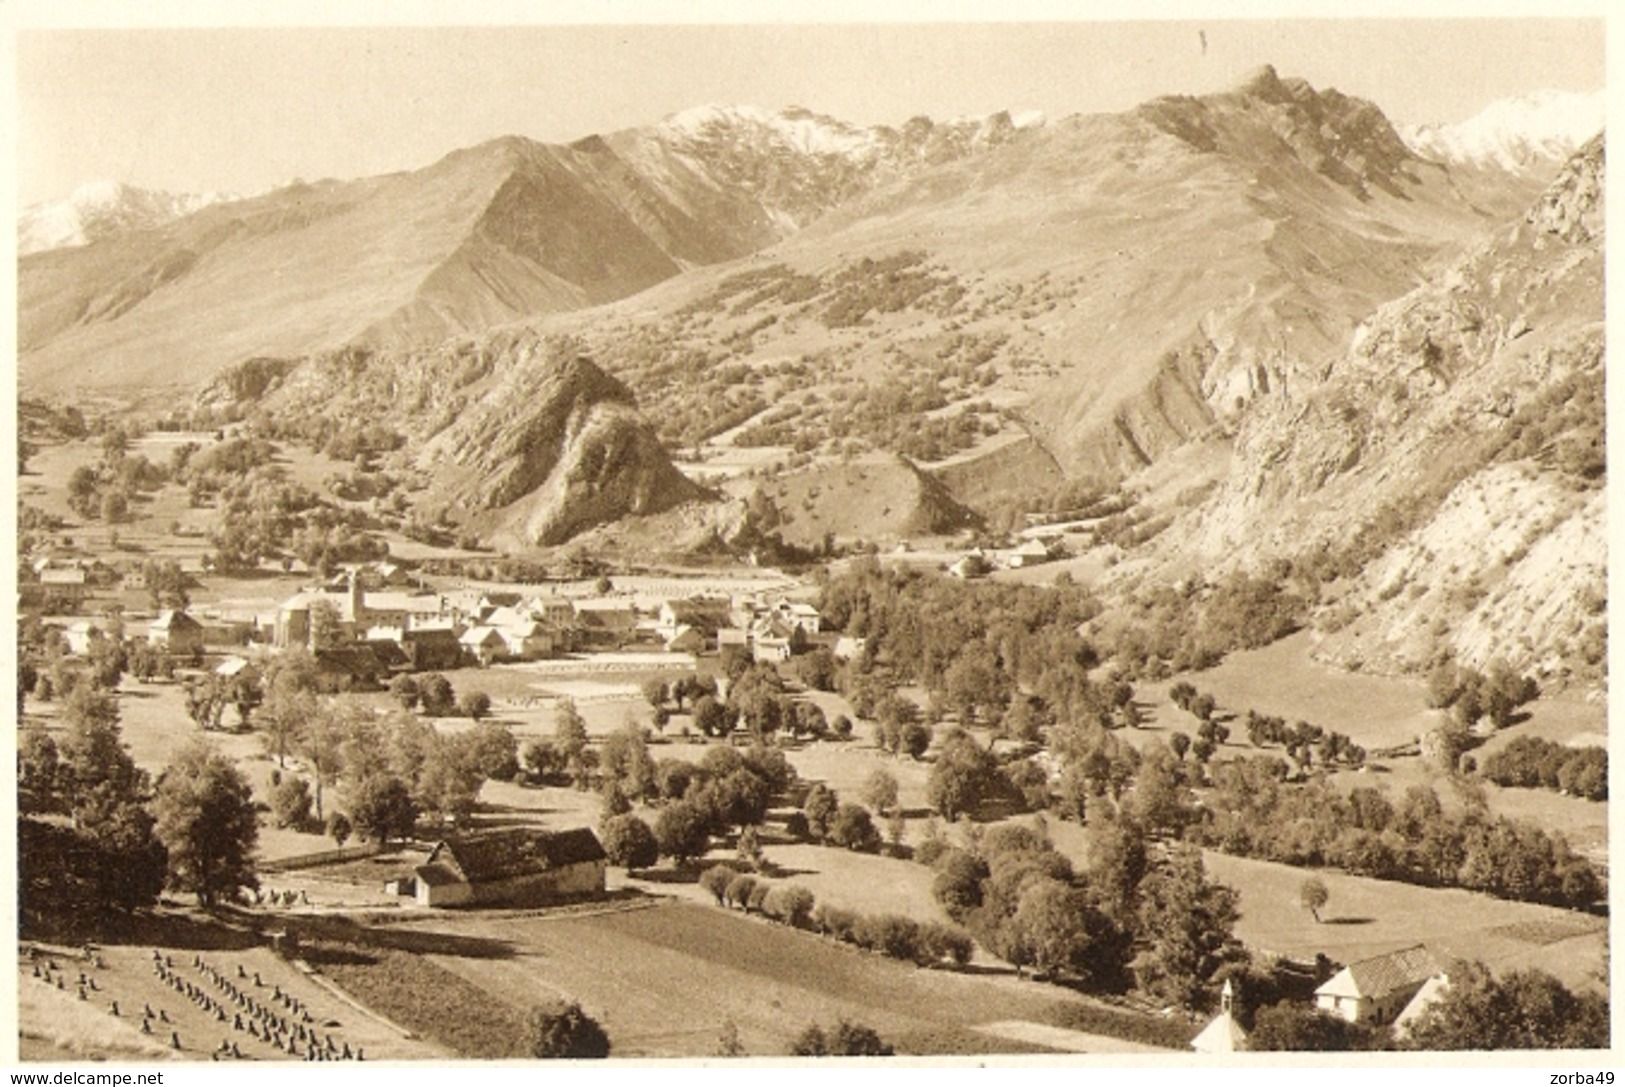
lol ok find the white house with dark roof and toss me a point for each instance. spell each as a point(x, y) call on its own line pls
point(1376, 990)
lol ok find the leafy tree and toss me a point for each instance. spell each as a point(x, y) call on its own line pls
point(791, 904)
point(683, 831)
point(206, 821)
point(1292, 1025)
point(558, 1028)
point(1524, 1009)
point(326, 625)
point(630, 843)
point(1313, 896)
point(1181, 743)
point(339, 828)
point(740, 888)
point(820, 808)
point(95, 770)
point(1162, 801)
point(915, 739)
point(958, 883)
point(1058, 927)
point(654, 692)
point(625, 759)
point(321, 744)
point(39, 771)
point(490, 748)
point(1187, 924)
point(475, 705)
point(710, 716)
point(289, 702)
point(963, 775)
point(436, 696)
point(383, 809)
point(570, 739)
point(1117, 864)
point(405, 690)
point(290, 802)
point(715, 879)
point(880, 790)
point(854, 829)
point(115, 506)
point(449, 783)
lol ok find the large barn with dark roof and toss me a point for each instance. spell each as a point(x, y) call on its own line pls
point(511, 866)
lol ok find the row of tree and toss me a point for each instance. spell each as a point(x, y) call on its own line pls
point(1252, 810)
point(1530, 762)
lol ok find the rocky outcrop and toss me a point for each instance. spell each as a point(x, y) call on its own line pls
point(1460, 438)
point(556, 447)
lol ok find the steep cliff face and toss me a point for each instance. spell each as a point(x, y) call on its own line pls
point(1453, 457)
point(556, 447)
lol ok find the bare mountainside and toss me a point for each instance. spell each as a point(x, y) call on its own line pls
point(504, 230)
point(1450, 463)
point(1107, 288)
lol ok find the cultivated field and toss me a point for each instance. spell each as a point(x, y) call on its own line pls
point(664, 980)
point(1367, 917)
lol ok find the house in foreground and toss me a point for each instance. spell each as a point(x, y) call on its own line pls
point(510, 866)
point(1223, 1034)
point(1375, 991)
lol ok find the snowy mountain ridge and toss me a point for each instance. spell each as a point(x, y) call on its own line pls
point(1518, 133)
point(100, 209)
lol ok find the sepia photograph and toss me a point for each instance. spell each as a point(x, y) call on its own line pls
point(727, 534)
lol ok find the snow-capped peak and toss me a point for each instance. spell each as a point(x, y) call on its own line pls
point(1515, 133)
point(102, 209)
point(802, 130)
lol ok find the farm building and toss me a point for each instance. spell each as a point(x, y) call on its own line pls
point(67, 585)
point(175, 632)
point(800, 615)
point(432, 648)
point(512, 866)
point(1376, 990)
point(686, 639)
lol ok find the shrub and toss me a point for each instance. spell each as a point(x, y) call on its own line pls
point(889, 933)
point(716, 879)
point(792, 904)
point(557, 1028)
point(835, 921)
point(291, 803)
point(846, 1040)
point(740, 889)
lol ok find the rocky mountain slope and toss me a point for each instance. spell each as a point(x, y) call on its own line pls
point(1447, 469)
point(519, 439)
point(1083, 300)
point(505, 230)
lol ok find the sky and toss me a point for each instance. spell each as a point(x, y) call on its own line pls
point(241, 109)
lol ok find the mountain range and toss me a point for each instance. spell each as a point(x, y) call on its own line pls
point(1238, 310)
